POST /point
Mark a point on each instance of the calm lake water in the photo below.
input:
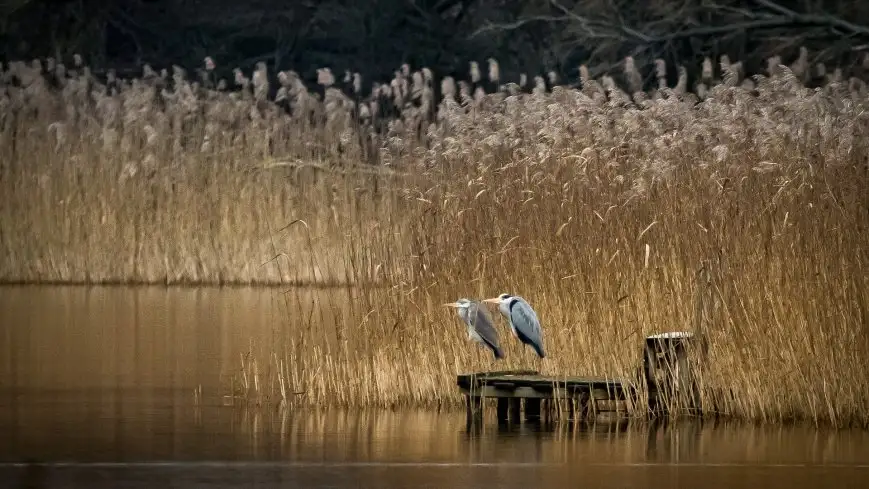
(96, 390)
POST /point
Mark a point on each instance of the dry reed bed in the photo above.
(160, 180)
(596, 205)
(601, 215)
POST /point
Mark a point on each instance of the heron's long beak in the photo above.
(493, 300)
(451, 304)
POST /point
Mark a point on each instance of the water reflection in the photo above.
(172, 439)
(127, 426)
(154, 337)
(96, 386)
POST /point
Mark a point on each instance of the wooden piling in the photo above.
(515, 409)
(503, 410)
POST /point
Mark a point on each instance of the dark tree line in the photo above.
(376, 36)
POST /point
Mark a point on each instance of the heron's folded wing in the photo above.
(525, 320)
(483, 324)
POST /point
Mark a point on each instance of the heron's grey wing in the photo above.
(482, 322)
(524, 319)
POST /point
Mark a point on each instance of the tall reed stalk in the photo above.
(597, 205)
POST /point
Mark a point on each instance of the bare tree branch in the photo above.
(815, 19)
(778, 8)
(589, 23)
(490, 27)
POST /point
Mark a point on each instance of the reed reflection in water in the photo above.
(96, 385)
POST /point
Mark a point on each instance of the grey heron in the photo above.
(523, 320)
(479, 324)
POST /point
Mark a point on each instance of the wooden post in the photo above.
(532, 409)
(583, 406)
(469, 415)
(474, 406)
(515, 409)
(503, 410)
(598, 395)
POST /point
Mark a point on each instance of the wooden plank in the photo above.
(535, 391)
(600, 394)
(519, 392)
(523, 391)
(536, 377)
(611, 386)
(528, 393)
(535, 380)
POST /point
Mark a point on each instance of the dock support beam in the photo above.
(509, 410)
(584, 406)
(532, 409)
(503, 410)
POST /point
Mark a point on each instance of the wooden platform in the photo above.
(542, 395)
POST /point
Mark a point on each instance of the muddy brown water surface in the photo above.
(96, 390)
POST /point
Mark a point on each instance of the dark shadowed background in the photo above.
(375, 37)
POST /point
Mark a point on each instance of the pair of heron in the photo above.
(519, 314)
